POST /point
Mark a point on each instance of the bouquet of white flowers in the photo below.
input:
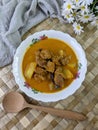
(80, 11)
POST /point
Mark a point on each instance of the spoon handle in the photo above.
(59, 112)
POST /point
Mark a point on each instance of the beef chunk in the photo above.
(37, 54)
(59, 80)
(40, 71)
(39, 77)
(65, 60)
(58, 77)
(61, 58)
(56, 60)
(50, 66)
(45, 54)
(41, 62)
(59, 70)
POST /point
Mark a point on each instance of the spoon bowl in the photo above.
(14, 102)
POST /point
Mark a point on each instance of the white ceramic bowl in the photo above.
(49, 97)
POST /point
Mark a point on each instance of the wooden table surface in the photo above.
(84, 100)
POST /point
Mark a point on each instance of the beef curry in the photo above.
(49, 65)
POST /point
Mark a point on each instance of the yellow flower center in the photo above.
(86, 17)
(67, 16)
(82, 7)
(77, 0)
(78, 27)
(69, 6)
(74, 14)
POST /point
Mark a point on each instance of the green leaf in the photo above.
(35, 91)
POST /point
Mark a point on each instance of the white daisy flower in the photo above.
(76, 15)
(84, 8)
(68, 6)
(88, 2)
(69, 18)
(75, 11)
(77, 28)
(86, 18)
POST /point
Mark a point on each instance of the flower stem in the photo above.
(94, 3)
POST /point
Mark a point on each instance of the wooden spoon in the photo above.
(15, 102)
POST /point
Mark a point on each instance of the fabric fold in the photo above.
(17, 17)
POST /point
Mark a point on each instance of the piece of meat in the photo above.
(59, 80)
(40, 71)
(45, 54)
(50, 66)
(39, 77)
(37, 53)
(61, 58)
(41, 62)
(59, 69)
(65, 60)
(58, 77)
(40, 57)
(50, 77)
(56, 60)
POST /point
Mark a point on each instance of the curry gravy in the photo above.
(53, 45)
